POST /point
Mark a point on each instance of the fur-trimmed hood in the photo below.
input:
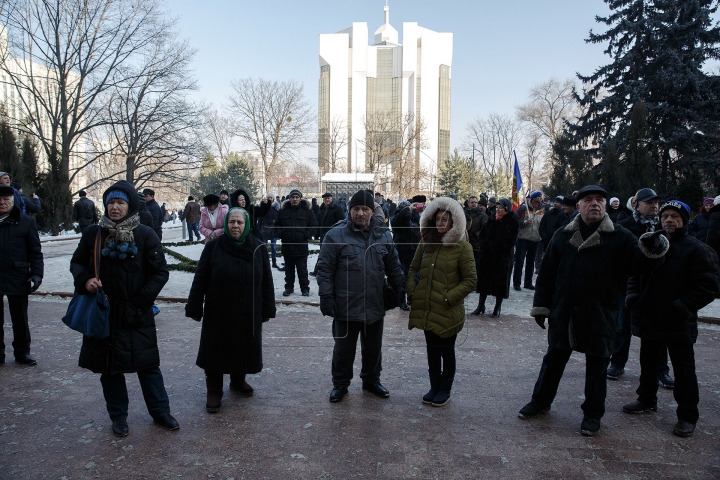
(457, 232)
(303, 204)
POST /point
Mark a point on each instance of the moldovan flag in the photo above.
(517, 185)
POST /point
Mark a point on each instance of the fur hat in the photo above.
(211, 199)
(419, 199)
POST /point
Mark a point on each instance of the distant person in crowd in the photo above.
(183, 223)
(615, 208)
(173, 215)
(699, 225)
(406, 233)
(295, 226)
(18, 200)
(497, 242)
(712, 238)
(144, 214)
(343, 205)
(224, 198)
(664, 308)
(84, 211)
(491, 203)
(132, 283)
(361, 245)
(316, 210)
(267, 225)
(233, 293)
(530, 215)
(551, 221)
(32, 204)
(644, 219)
(21, 273)
(477, 221)
(164, 213)
(441, 275)
(191, 214)
(328, 215)
(391, 209)
(212, 217)
(569, 211)
(155, 211)
(627, 211)
(582, 274)
(240, 198)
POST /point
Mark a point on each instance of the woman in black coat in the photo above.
(497, 240)
(133, 271)
(233, 292)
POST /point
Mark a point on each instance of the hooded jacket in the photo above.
(439, 281)
(295, 226)
(132, 285)
(581, 280)
(254, 211)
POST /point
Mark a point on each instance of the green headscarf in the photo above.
(245, 233)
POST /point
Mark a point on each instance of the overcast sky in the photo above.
(501, 48)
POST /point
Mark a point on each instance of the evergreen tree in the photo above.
(611, 176)
(454, 176)
(572, 168)
(690, 189)
(639, 167)
(9, 158)
(30, 165)
(234, 174)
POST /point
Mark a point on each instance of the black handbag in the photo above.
(89, 314)
(389, 297)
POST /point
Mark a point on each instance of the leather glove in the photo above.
(35, 282)
(327, 306)
(653, 242)
(540, 320)
(197, 319)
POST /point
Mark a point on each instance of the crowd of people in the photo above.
(605, 272)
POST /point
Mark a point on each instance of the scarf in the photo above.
(121, 231)
(212, 215)
(245, 233)
(648, 223)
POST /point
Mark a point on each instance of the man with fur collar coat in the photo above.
(294, 226)
(581, 276)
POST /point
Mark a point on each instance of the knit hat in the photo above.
(559, 198)
(492, 200)
(681, 207)
(535, 194)
(507, 204)
(569, 201)
(224, 191)
(295, 191)
(2, 174)
(117, 194)
(717, 200)
(268, 194)
(709, 201)
(211, 199)
(613, 199)
(419, 199)
(363, 197)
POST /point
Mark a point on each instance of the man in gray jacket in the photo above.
(355, 258)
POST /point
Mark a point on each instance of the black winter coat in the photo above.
(476, 223)
(254, 211)
(233, 291)
(406, 228)
(580, 282)
(328, 216)
(664, 304)
(84, 212)
(157, 216)
(698, 227)
(295, 226)
(497, 241)
(146, 217)
(132, 285)
(713, 234)
(618, 214)
(551, 221)
(20, 253)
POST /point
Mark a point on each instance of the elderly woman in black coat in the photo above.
(497, 240)
(233, 292)
(133, 270)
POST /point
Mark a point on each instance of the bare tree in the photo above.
(217, 134)
(549, 105)
(382, 130)
(333, 143)
(273, 117)
(531, 160)
(408, 172)
(495, 138)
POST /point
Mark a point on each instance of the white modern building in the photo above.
(365, 87)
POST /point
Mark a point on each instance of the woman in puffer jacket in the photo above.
(441, 275)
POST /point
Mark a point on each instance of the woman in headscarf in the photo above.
(212, 217)
(132, 273)
(233, 293)
(441, 275)
(496, 261)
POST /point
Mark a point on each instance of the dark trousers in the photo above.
(345, 335)
(153, 389)
(18, 306)
(623, 337)
(291, 263)
(524, 253)
(686, 392)
(477, 256)
(193, 228)
(441, 354)
(551, 372)
(539, 255)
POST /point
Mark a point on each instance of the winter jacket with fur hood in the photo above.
(581, 280)
(206, 227)
(439, 281)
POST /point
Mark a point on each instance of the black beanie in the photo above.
(363, 197)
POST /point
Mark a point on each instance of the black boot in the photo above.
(214, 383)
(443, 395)
(498, 306)
(481, 306)
(274, 263)
(435, 381)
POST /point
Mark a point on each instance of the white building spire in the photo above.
(386, 33)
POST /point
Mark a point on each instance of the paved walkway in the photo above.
(53, 421)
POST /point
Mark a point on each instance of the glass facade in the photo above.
(384, 106)
(324, 119)
(444, 115)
